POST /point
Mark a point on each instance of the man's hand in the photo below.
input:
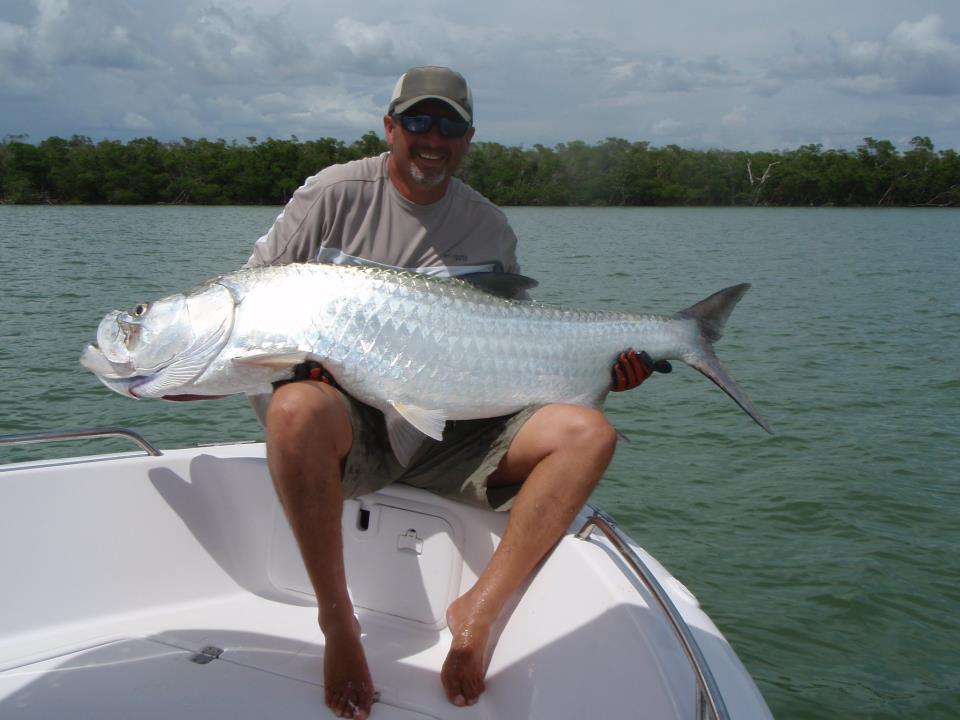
(632, 368)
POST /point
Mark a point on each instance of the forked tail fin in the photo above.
(711, 315)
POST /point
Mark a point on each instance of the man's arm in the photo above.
(295, 233)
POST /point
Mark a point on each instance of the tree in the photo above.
(881, 157)
(25, 174)
(369, 144)
(757, 183)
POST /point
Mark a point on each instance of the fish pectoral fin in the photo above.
(409, 425)
(276, 360)
(177, 375)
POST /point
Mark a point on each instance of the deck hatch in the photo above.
(399, 561)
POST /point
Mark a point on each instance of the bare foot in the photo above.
(464, 669)
(346, 677)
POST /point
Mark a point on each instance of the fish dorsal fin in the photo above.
(409, 425)
(276, 360)
(506, 285)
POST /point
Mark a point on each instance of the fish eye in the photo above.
(141, 309)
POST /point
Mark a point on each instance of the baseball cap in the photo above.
(432, 83)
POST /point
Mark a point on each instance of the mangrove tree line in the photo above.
(612, 172)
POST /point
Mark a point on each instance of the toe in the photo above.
(338, 704)
(473, 691)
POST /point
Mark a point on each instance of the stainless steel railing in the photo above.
(30, 438)
(709, 699)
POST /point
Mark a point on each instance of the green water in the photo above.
(827, 553)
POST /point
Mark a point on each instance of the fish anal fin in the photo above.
(429, 421)
(409, 425)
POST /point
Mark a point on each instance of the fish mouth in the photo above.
(119, 377)
(96, 361)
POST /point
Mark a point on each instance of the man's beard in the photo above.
(423, 180)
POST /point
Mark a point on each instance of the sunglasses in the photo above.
(421, 124)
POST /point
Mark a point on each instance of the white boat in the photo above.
(168, 585)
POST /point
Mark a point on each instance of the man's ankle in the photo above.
(339, 621)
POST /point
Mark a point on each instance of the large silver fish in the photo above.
(423, 350)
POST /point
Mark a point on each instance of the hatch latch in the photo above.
(410, 541)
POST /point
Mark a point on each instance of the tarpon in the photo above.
(422, 349)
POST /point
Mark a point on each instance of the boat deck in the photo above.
(164, 587)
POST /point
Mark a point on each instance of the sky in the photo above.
(736, 75)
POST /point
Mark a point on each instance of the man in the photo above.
(405, 209)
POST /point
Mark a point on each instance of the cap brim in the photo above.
(407, 104)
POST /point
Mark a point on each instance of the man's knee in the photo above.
(309, 411)
(578, 436)
(586, 429)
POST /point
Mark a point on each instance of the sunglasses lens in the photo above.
(417, 124)
(420, 124)
(453, 128)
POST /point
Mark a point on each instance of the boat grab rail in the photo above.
(30, 438)
(709, 699)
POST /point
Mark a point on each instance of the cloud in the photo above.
(102, 34)
(380, 48)
(916, 58)
(736, 118)
(925, 59)
(20, 73)
(669, 126)
(61, 34)
(135, 121)
(303, 112)
(238, 47)
(668, 74)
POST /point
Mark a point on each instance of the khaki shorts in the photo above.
(456, 468)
